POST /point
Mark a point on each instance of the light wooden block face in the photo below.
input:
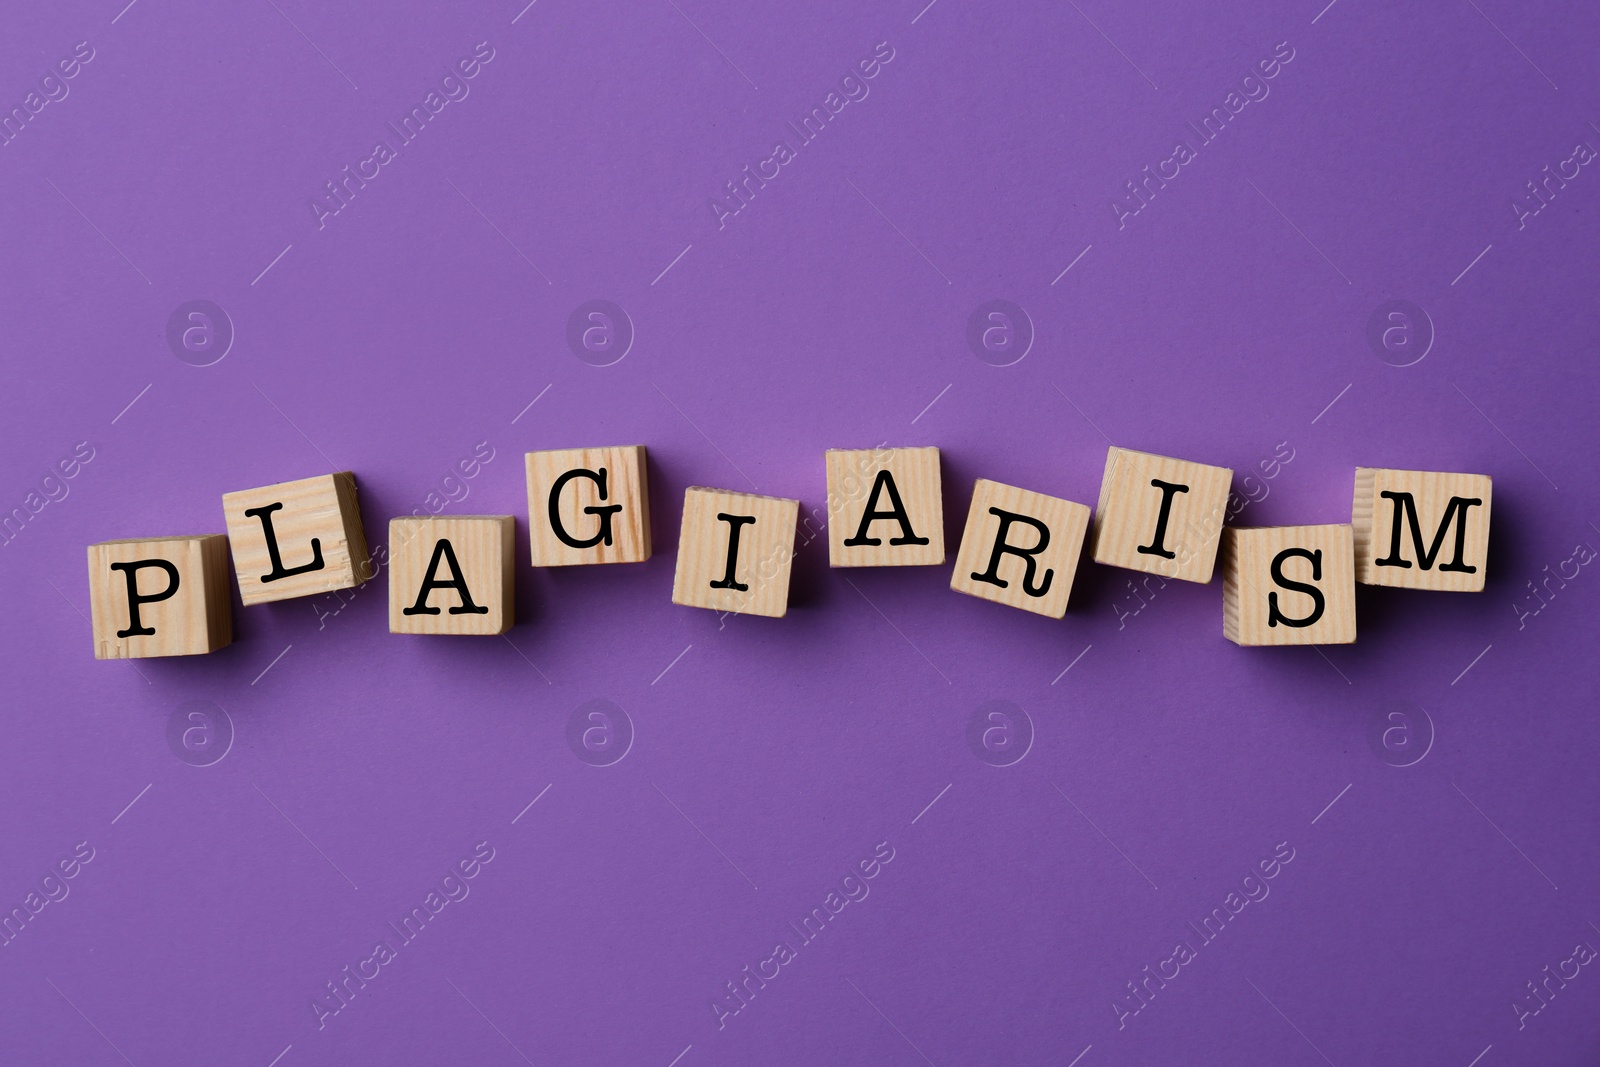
(1020, 548)
(159, 596)
(588, 505)
(1289, 585)
(451, 575)
(1421, 529)
(885, 508)
(297, 538)
(734, 552)
(1160, 515)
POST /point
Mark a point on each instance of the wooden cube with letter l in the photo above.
(735, 551)
(1288, 585)
(885, 507)
(588, 505)
(1020, 548)
(159, 596)
(1421, 529)
(297, 538)
(451, 575)
(1160, 515)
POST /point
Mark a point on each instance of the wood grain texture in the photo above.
(197, 618)
(1248, 585)
(1129, 510)
(1373, 516)
(766, 551)
(483, 548)
(1045, 591)
(627, 487)
(323, 508)
(852, 477)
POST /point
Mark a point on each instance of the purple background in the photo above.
(772, 755)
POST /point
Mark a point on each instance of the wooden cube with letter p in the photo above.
(885, 508)
(1020, 548)
(1289, 585)
(159, 596)
(451, 575)
(1421, 529)
(297, 538)
(1160, 515)
(588, 505)
(735, 551)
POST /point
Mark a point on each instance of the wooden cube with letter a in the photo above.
(451, 575)
(1160, 515)
(159, 596)
(588, 505)
(884, 507)
(297, 538)
(1020, 548)
(734, 552)
(1289, 585)
(1421, 529)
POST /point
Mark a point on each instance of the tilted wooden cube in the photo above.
(735, 551)
(1020, 548)
(1288, 585)
(297, 538)
(885, 508)
(1160, 515)
(159, 596)
(451, 574)
(1421, 529)
(588, 505)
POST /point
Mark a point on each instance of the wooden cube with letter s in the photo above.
(1288, 585)
(451, 575)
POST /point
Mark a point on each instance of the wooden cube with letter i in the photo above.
(1020, 548)
(1289, 585)
(297, 538)
(1421, 529)
(735, 551)
(159, 596)
(451, 575)
(1160, 515)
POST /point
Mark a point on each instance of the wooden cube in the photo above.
(734, 552)
(297, 538)
(588, 505)
(1421, 529)
(451, 574)
(159, 596)
(1160, 515)
(885, 508)
(1020, 548)
(1289, 585)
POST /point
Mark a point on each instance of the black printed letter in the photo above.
(1274, 616)
(278, 571)
(884, 482)
(992, 575)
(1157, 546)
(131, 572)
(605, 513)
(430, 582)
(1456, 511)
(728, 575)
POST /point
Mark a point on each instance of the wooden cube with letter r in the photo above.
(451, 575)
(1421, 529)
(1288, 585)
(1020, 548)
(159, 596)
